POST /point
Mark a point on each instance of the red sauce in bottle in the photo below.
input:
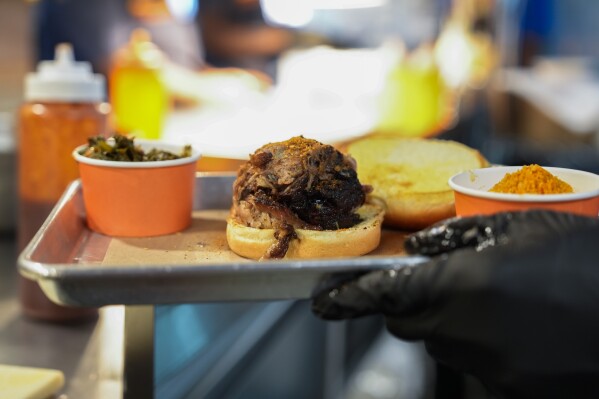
(64, 106)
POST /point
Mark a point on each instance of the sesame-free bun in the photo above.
(357, 240)
(411, 175)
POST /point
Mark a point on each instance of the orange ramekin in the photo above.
(138, 199)
(472, 195)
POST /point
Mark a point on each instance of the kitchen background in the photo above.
(516, 79)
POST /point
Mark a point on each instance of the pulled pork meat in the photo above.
(298, 183)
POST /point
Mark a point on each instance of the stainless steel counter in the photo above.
(73, 349)
(192, 356)
(177, 344)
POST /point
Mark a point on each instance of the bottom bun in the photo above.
(357, 240)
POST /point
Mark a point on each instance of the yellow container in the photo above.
(138, 95)
(415, 101)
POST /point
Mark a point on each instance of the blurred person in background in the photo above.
(98, 28)
(236, 34)
(537, 25)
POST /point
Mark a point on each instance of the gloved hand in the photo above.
(512, 299)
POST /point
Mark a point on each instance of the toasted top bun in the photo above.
(357, 240)
(411, 174)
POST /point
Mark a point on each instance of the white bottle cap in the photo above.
(64, 80)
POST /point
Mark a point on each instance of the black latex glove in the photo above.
(512, 299)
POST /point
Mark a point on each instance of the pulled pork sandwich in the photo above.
(301, 199)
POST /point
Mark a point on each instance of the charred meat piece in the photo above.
(283, 235)
(298, 183)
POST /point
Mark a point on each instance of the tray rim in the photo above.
(72, 272)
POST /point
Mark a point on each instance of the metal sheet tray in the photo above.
(69, 261)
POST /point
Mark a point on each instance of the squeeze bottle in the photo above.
(64, 106)
(137, 93)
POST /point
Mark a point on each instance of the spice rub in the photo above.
(531, 179)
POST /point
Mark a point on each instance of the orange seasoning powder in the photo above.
(531, 179)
